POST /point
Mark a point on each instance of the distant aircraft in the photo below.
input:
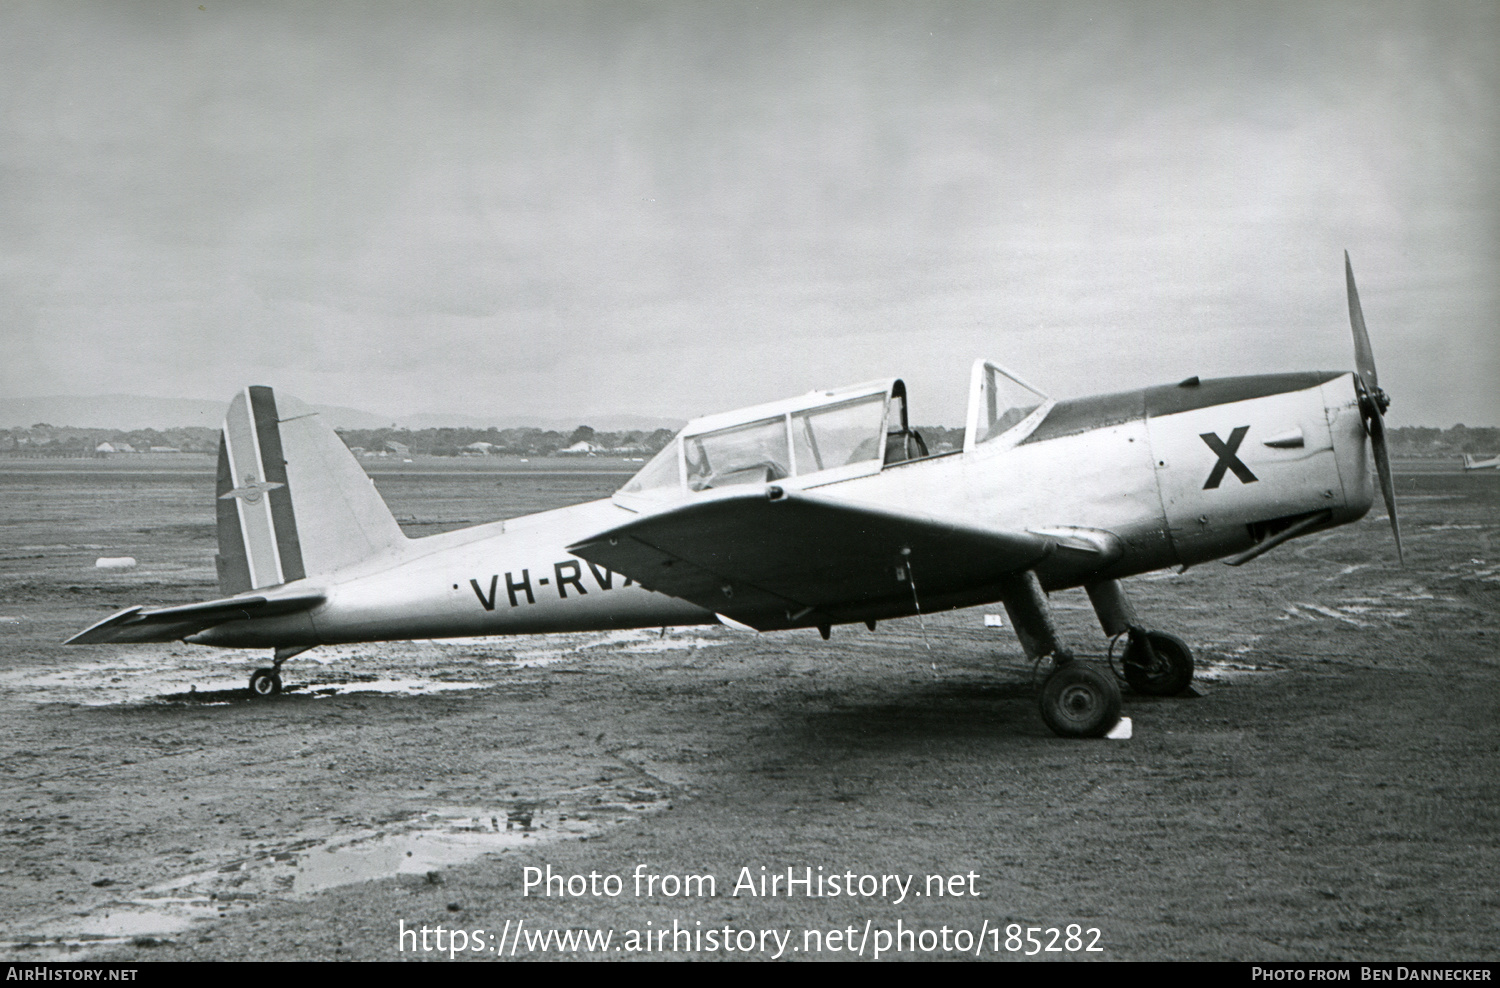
(815, 511)
(1472, 462)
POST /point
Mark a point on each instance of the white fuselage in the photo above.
(1145, 491)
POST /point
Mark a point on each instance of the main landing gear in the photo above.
(1080, 699)
(1155, 663)
(266, 682)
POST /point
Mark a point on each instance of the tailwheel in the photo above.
(265, 683)
(1157, 664)
(1080, 701)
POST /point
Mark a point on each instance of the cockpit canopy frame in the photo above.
(818, 438)
(1003, 409)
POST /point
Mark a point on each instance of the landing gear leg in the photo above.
(1156, 663)
(1078, 699)
(266, 683)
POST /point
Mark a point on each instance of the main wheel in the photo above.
(264, 683)
(1080, 701)
(1170, 672)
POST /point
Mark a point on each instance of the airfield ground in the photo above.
(1334, 793)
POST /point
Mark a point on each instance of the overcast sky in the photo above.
(564, 209)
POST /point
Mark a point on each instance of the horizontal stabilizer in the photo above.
(773, 559)
(169, 624)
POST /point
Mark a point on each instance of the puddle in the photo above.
(1229, 661)
(1376, 611)
(669, 644)
(305, 863)
(408, 687)
(637, 640)
(136, 674)
(1478, 569)
(1302, 609)
(419, 847)
(1415, 593)
(176, 672)
(1223, 670)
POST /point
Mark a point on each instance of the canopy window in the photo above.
(1000, 404)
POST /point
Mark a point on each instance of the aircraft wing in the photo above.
(775, 560)
(170, 624)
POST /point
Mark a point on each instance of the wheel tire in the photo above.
(1173, 672)
(1080, 701)
(265, 683)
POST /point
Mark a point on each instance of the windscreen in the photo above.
(744, 454)
(1006, 402)
(660, 474)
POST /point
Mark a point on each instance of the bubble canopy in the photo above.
(816, 438)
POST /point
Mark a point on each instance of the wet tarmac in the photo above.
(1329, 792)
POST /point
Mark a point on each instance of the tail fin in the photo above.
(1469, 461)
(292, 500)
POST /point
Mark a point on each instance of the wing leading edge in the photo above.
(772, 559)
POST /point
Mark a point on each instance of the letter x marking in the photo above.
(1227, 459)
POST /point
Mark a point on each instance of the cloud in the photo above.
(673, 208)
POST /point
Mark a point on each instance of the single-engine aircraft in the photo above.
(1472, 462)
(818, 510)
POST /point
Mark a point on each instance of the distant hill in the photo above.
(129, 412)
(604, 423)
(110, 412)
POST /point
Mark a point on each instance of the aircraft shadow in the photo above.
(241, 695)
(932, 712)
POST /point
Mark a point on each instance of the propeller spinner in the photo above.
(1372, 402)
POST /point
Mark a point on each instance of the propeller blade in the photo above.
(1364, 356)
(1372, 403)
(1376, 427)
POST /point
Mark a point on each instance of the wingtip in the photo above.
(96, 632)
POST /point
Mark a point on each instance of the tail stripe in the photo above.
(233, 563)
(273, 468)
(249, 494)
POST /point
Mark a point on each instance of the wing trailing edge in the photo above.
(168, 624)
